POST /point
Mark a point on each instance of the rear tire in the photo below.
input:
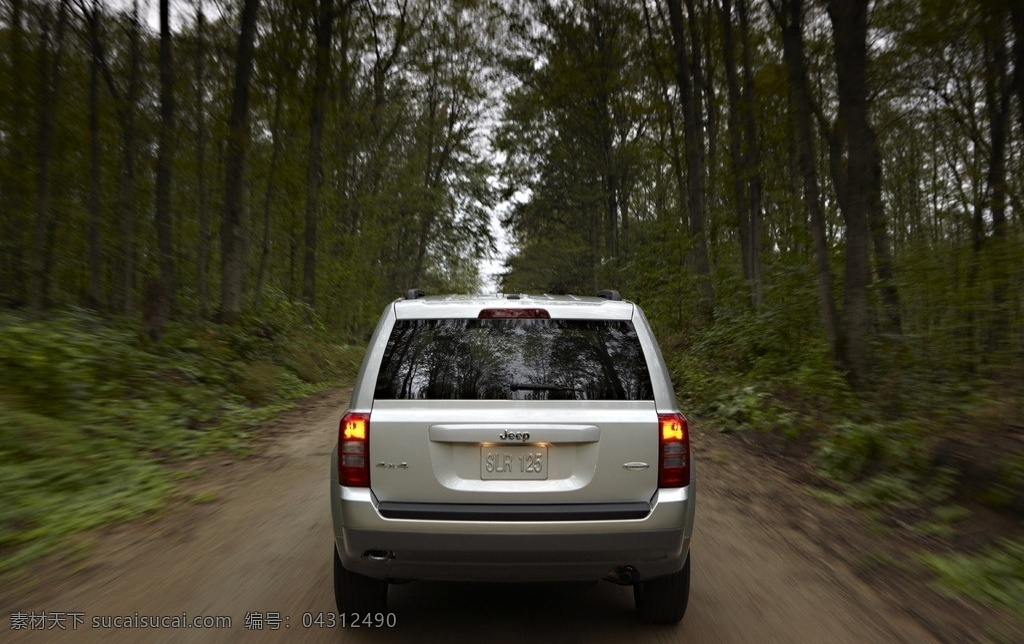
(663, 600)
(355, 593)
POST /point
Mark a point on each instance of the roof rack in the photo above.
(609, 294)
(414, 294)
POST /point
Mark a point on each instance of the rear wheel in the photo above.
(663, 600)
(355, 593)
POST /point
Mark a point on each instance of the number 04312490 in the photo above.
(349, 620)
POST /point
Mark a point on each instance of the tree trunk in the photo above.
(428, 211)
(670, 114)
(49, 79)
(166, 294)
(849, 23)
(203, 213)
(126, 102)
(129, 187)
(50, 55)
(343, 144)
(314, 169)
(998, 90)
(609, 172)
(790, 16)
(736, 158)
(15, 212)
(232, 227)
(610, 181)
(882, 245)
(268, 200)
(752, 161)
(93, 296)
(697, 159)
(711, 112)
(694, 144)
(1017, 21)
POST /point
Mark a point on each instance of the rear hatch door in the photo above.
(513, 411)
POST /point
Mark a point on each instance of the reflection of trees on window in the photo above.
(624, 349)
(399, 355)
(514, 359)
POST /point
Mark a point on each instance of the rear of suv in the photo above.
(513, 438)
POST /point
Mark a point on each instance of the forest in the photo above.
(856, 164)
(818, 203)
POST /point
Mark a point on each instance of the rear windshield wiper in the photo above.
(519, 386)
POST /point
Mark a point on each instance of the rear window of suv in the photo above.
(513, 359)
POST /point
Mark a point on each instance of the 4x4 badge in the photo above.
(514, 436)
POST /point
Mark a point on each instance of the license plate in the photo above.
(514, 462)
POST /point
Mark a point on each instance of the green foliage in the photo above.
(1005, 490)
(57, 478)
(92, 414)
(573, 137)
(759, 369)
(259, 382)
(854, 451)
(943, 521)
(57, 368)
(995, 576)
(888, 489)
(205, 497)
(887, 464)
(1012, 472)
(743, 407)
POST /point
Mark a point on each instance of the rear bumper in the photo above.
(514, 551)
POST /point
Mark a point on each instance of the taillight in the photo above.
(353, 450)
(674, 451)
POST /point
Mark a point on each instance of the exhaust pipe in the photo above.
(379, 556)
(623, 575)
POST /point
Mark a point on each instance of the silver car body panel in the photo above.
(400, 549)
(586, 442)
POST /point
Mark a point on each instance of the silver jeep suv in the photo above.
(513, 438)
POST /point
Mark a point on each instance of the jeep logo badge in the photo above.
(514, 436)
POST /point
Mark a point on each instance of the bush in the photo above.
(56, 367)
(92, 412)
(995, 576)
(855, 451)
(258, 382)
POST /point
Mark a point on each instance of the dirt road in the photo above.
(261, 547)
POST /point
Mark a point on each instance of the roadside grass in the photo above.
(994, 576)
(94, 416)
